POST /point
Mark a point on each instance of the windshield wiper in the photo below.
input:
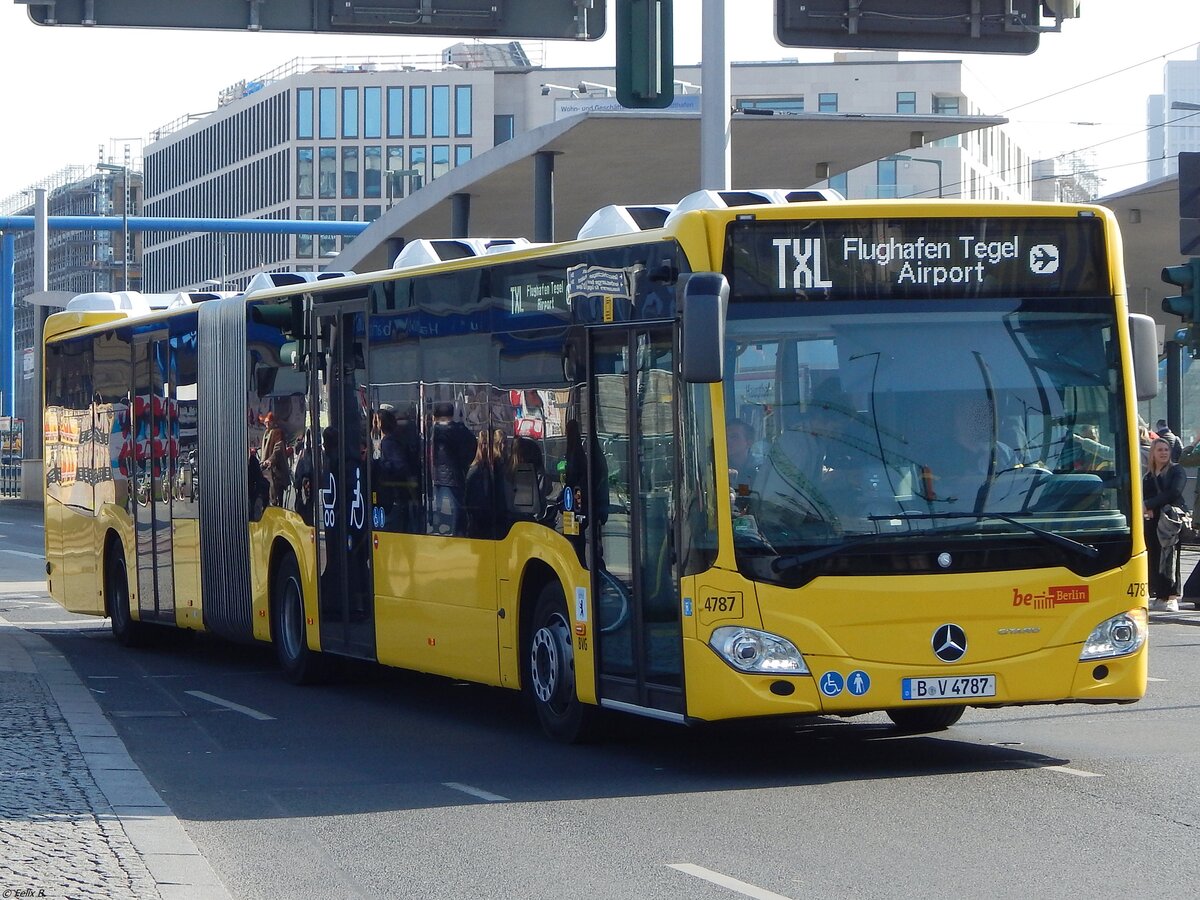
(1087, 550)
(787, 563)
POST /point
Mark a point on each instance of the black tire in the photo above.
(925, 719)
(550, 671)
(116, 599)
(289, 632)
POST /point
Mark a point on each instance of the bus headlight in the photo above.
(1118, 636)
(750, 650)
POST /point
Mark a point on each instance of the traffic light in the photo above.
(645, 54)
(1187, 279)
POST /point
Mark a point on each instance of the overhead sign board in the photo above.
(553, 19)
(958, 26)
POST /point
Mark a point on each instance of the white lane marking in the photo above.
(229, 704)
(738, 887)
(1152, 678)
(24, 554)
(475, 792)
(1067, 770)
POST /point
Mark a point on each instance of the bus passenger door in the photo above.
(638, 629)
(151, 494)
(341, 429)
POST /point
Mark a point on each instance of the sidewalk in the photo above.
(77, 817)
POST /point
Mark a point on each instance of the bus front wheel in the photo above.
(925, 718)
(289, 632)
(550, 671)
(116, 591)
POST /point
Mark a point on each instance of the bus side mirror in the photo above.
(1143, 339)
(705, 302)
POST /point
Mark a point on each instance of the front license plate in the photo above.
(948, 688)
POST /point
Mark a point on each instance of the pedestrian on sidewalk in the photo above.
(1163, 510)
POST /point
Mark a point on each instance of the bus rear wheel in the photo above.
(289, 631)
(550, 671)
(116, 592)
(926, 718)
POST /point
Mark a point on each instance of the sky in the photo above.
(65, 92)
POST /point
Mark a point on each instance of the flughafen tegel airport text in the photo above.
(961, 260)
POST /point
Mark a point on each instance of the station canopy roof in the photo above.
(603, 158)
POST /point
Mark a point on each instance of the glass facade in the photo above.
(462, 110)
(372, 112)
(328, 114)
(304, 113)
(417, 112)
(349, 112)
(441, 110)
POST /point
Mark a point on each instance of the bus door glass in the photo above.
(639, 637)
(342, 426)
(151, 428)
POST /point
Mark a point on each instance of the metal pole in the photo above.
(8, 356)
(460, 215)
(32, 485)
(125, 227)
(716, 165)
(543, 197)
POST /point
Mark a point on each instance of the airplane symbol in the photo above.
(1043, 259)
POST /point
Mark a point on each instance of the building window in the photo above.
(395, 164)
(328, 242)
(945, 105)
(304, 113)
(416, 160)
(304, 242)
(885, 178)
(327, 172)
(839, 184)
(371, 212)
(349, 213)
(416, 112)
(462, 154)
(304, 172)
(395, 112)
(372, 171)
(441, 110)
(906, 102)
(462, 110)
(372, 112)
(827, 103)
(503, 129)
(349, 112)
(349, 171)
(328, 113)
(779, 104)
(440, 159)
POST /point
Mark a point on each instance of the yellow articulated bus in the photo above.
(787, 458)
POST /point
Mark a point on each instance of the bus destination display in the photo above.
(916, 258)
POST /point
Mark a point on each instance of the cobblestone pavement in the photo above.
(78, 819)
(60, 837)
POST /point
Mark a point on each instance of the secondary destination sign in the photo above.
(836, 259)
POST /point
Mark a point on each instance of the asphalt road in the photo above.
(391, 784)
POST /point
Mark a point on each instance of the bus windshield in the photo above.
(971, 421)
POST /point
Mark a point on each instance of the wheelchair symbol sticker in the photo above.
(831, 684)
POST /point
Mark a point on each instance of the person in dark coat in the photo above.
(1162, 498)
(453, 447)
